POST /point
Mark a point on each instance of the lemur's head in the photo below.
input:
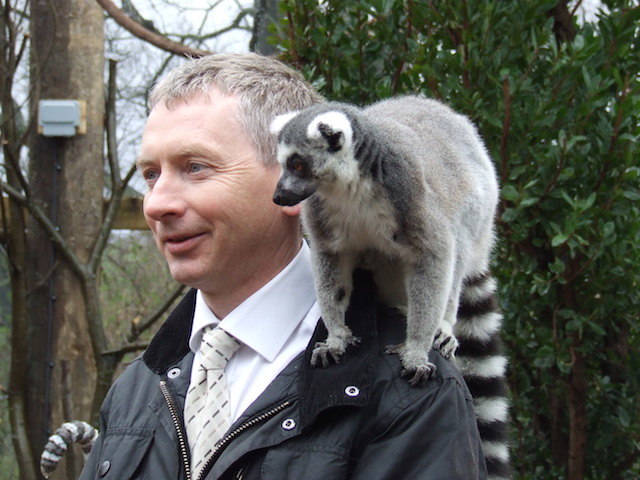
(314, 147)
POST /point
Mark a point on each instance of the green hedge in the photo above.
(559, 113)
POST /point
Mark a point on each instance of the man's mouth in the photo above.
(177, 244)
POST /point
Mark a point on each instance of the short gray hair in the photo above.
(263, 86)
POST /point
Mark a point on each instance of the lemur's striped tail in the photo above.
(70, 432)
(483, 366)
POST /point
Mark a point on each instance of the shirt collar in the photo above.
(265, 320)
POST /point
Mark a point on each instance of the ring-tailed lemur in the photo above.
(404, 187)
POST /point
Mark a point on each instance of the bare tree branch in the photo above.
(132, 345)
(110, 127)
(151, 319)
(53, 231)
(128, 348)
(143, 33)
(118, 185)
(108, 221)
(232, 26)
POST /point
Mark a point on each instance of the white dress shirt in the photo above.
(273, 326)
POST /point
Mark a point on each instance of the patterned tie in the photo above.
(207, 412)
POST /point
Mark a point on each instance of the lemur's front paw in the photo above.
(332, 348)
(416, 366)
(445, 342)
(418, 374)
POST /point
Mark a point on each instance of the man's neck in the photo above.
(224, 300)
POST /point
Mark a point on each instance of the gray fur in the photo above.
(404, 187)
(69, 432)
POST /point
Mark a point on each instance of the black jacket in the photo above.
(357, 420)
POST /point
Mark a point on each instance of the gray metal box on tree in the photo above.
(61, 118)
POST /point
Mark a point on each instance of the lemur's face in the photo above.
(297, 180)
(310, 153)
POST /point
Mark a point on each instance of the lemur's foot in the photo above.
(332, 348)
(445, 342)
(416, 366)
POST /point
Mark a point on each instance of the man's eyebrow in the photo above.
(188, 151)
(142, 162)
(193, 150)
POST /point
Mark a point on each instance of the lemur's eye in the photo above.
(298, 164)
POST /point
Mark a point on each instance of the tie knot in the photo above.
(217, 347)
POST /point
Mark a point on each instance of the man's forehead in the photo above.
(206, 95)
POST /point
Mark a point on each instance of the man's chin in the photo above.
(191, 277)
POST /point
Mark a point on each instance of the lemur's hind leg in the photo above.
(334, 284)
(428, 284)
(445, 341)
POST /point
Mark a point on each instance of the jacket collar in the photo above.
(347, 383)
(171, 343)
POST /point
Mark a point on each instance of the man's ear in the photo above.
(293, 211)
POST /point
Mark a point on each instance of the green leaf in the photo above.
(567, 198)
(559, 239)
(510, 193)
(509, 215)
(623, 417)
(557, 266)
(545, 357)
(588, 203)
(528, 202)
(631, 195)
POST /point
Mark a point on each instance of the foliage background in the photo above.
(559, 112)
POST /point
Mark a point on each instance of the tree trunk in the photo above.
(577, 388)
(577, 413)
(17, 255)
(266, 13)
(66, 179)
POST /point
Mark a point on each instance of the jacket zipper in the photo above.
(173, 410)
(222, 444)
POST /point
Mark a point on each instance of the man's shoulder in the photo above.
(135, 376)
(388, 369)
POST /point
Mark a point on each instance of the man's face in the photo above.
(209, 199)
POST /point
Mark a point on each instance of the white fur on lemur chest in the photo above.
(359, 216)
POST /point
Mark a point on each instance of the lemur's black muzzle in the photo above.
(290, 191)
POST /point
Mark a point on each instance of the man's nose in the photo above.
(165, 199)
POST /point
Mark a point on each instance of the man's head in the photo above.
(207, 157)
(263, 87)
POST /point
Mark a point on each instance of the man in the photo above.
(209, 162)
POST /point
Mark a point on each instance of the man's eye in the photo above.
(195, 167)
(150, 175)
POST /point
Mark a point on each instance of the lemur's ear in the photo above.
(334, 128)
(278, 123)
(334, 138)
